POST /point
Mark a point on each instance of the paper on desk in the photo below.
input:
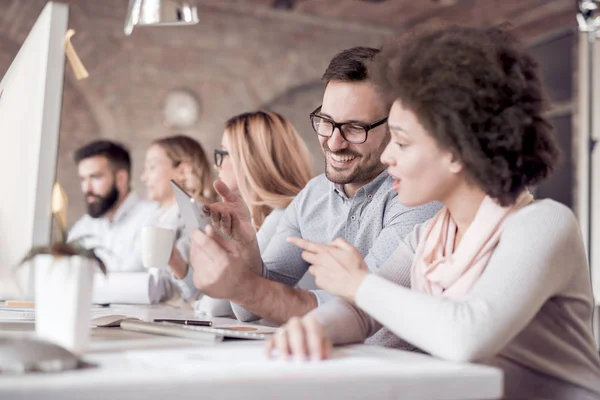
(130, 288)
(116, 287)
(27, 314)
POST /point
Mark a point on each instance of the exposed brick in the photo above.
(240, 57)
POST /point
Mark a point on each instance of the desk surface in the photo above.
(130, 365)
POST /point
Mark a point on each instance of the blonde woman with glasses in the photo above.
(263, 160)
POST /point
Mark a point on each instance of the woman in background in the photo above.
(183, 160)
(495, 277)
(265, 161)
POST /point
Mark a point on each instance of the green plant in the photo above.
(60, 247)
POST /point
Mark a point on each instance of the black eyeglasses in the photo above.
(352, 132)
(219, 155)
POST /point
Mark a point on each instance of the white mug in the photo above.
(157, 244)
(213, 307)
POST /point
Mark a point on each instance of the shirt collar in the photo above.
(172, 212)
(368, 189)
(130, 201)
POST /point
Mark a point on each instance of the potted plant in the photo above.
(63, 282)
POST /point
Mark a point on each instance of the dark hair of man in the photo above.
(116, 153)
(350, 65)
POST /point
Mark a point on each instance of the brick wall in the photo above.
(235, 60)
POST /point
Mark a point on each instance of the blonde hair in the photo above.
(198, 179)
(270, 160)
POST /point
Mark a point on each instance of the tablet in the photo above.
(235, 331)
(189, 209)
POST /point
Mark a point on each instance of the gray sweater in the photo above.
(530, 312)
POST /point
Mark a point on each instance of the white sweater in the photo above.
(530, 313)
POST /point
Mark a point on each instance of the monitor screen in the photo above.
(30, 107)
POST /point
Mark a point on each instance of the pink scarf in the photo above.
(441, 270)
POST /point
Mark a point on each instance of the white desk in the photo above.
(359, 372)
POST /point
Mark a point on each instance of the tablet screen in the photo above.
(189, 209)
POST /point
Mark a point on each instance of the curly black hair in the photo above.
(479, 95)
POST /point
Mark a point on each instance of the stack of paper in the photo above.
(17, 314)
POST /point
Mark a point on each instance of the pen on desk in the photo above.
(189, 322)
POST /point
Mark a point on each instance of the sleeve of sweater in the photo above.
(344, 322)
(529, 265)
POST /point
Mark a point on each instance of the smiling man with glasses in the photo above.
(349, 164)
(352, 132)
(353, 200)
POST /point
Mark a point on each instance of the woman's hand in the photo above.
(301, 339)
(338, 267)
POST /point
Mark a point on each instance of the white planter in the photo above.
(63, 300)
(25, 279)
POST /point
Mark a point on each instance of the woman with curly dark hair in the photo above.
(495, 277)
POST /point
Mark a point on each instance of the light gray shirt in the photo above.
(268, 228)
(374, 221)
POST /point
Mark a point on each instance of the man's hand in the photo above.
(219, 270)
(233, 218)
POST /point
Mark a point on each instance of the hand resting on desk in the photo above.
(302, 339)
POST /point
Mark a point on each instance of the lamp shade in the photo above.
(159, 13)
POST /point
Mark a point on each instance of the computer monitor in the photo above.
(30, 109)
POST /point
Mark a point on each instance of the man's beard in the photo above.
(99, 207)
(360, 173)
